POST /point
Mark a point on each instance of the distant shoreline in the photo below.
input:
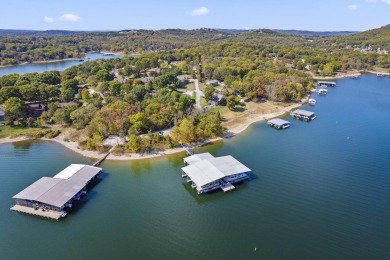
(138, 156)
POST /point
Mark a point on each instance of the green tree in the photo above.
(208, 93)
(135, 143)
(14, 110)
(231, 102)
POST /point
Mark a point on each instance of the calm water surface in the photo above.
(59, 65)
(321, 190)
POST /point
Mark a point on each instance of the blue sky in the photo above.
(319, 15)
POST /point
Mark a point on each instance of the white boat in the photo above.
(322, 91)
(312, 101)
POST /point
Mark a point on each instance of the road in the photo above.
(199, 93)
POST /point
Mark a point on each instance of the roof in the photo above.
(327, 82)
(51, 191)
(212, 169)
(78, 172)
(198, 157)
(146, 79)
(303, 112)
(212, 82)
(278, 121)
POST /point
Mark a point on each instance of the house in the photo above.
(213, 82)
(36, 109)
(183, 79)
(146, 79)
(1, 113)
(154, 72)
(80, 87)
(219, 100)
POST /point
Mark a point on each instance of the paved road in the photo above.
(199, 93)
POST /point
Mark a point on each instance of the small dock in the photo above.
(278, 123)
(51, 214)
(303, 114)
(186, 149)
(383, 74)
(327, 83)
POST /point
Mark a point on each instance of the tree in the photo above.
(135, 143)
(139, 122)
(208, 93)
(8, 92)
(14, 110)
(184, 132)
(104, 75)
(231, 102)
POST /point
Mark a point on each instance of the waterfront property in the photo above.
(50, 196)
(327, 83)
(278, 123)
(303, 114)
(206, 172)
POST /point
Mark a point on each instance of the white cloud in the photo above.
(352, 7)
(69, 18)
(371, 1)
(386, 1)
(200, 11)
(48, 19)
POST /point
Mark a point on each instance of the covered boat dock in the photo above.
(278, 123)
(50, 196)
(207, 173)
(303, 114)
(327, 83)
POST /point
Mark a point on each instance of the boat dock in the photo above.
(207, 173)
(278, 123)
(49, 197)
(303, 114)
(327, 83)
(383, 74)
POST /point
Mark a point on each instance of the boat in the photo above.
(322, 91)
(312, 101)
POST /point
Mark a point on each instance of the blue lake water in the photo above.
(48, 66)
(321, 190)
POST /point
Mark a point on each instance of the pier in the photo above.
(303, 114)
(383, 74)
(327, 83)
(207, 173)
(278, 123)
(98, 162)
(49, 197)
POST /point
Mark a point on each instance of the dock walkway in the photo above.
(98, 162)
(39, 212)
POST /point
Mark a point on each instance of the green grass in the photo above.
(203, 102)
(218, 108)
(8, 131)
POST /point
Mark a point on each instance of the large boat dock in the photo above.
(303, 114)
(206, 172)
(50, 196)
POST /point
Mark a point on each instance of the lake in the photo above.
(48, 66)
(320, 190)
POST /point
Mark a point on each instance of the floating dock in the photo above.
(327, 83)
(50, 196)
(383, 74)
(278, 123)
(303, 114)
(206, 172)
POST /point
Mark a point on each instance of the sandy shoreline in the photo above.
(136, 156)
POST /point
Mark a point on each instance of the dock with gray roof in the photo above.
(303, 114)
(278, 123)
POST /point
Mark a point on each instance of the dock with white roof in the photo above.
(49, 197)
(206, 172)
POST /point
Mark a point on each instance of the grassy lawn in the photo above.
(203, 102)
(6, 131)
(187, 87)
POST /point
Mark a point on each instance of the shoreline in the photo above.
(136, 156)
(40, 61)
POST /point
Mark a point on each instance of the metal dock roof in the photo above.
(278, 122)
(210, 170)
(79, 173)
(51, 191)
(303, 112)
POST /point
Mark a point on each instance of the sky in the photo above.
(98, 15)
